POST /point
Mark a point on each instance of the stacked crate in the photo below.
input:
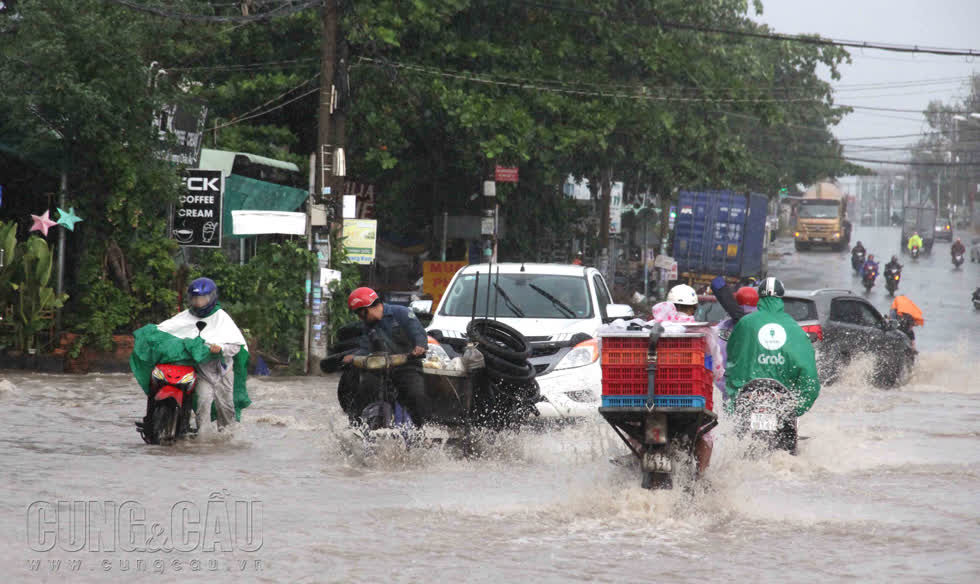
(683, 371)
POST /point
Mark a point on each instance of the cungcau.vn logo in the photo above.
(221, 524)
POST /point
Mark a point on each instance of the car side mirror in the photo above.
(421, 306)
(614, 311)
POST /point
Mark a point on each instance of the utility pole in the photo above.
(328, 57)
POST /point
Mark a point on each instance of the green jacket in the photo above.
(769, 343)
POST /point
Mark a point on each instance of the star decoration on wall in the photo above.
(68, 219)
(42, 223)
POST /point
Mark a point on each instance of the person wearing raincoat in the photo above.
(769, 344)
(907, 314)
(206, 337)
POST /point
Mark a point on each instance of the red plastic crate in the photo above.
(639, 343)
(680, 357)
(681, 343)
(624, 373)
(624, 387)
(704, 389)
(623, 356)
(682, 373)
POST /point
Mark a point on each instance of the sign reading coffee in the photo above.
(196, 218)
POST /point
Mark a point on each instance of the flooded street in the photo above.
(884, 489)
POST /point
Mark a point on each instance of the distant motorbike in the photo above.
(766, 412)
(169, 404)
(868, 277)
(957, 261)
(857, 260)
(892, 277)
(914, 252)
(976, 299)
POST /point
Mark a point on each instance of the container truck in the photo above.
(822, 218)
(921, 218)
(721, 233)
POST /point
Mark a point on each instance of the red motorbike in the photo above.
(169, 405)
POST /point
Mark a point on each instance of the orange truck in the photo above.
(822, 218)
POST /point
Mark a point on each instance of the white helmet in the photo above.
(683, 294)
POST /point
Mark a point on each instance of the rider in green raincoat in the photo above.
(770, 344)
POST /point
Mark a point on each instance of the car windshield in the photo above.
(800, 308)
(818, 211)
(520, 296)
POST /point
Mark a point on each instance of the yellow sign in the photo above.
(732, 250)
(436, 277)
(361, 239)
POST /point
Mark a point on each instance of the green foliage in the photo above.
(266, 297)
(35, 299)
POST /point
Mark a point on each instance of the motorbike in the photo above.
(868, 278)
(957, 261)
(766, 412)
(914, 252)
(857, 260)
(169, 404)
(659, 433)
(892, 278)
(976, 299)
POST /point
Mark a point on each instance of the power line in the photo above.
(284, 9)
(246, 116)
(812, 40)
(246, 66)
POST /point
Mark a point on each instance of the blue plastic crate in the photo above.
(660, 401)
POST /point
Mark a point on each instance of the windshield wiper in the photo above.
(561, 305)
(510, 303)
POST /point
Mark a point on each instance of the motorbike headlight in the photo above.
(158, 374)
(435, 351)
(582, 354)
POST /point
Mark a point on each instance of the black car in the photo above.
(802, 308)
(852, 327)
(944, 229)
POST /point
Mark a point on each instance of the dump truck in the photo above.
(721, 233)
(822, 218)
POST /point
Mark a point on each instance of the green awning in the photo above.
(243, 193)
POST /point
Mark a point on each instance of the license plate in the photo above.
(656, 462)
(656, 429)
(763, 422)
(817, 239)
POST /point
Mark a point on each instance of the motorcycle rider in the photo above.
(770, 344)
(217, 349)
(398, 330)
(870, 267)
(858, 248)
(747, 298)
(915, 241)
(957, 248)
(893, 265)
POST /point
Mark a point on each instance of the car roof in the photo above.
(527, 268)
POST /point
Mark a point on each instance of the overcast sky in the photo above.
(888, 79)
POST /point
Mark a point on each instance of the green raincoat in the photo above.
(769, 343)
(153, 346)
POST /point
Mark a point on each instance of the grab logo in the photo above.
(771, 359)
(772, 336)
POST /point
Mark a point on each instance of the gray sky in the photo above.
(888, 79)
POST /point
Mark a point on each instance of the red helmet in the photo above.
(747, 296)
(361, 298)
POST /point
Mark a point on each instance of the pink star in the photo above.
(42, 223)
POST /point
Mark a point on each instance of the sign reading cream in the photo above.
(772, 336)
(361, 240)
(196, 218)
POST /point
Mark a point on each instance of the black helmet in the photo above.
(771, 287)
(202, 296)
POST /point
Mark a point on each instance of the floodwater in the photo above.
(884, 490)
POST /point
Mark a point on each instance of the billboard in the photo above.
(361, 240)
(196, 218)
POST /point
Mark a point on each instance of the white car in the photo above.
(558, 307)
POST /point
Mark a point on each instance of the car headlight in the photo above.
(582, 354)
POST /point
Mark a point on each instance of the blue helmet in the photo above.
(202, 296)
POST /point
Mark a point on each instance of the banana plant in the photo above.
(8, 267)
(35, 299)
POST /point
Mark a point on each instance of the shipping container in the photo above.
(721, 233)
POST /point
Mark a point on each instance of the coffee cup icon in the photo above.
(184, 235)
